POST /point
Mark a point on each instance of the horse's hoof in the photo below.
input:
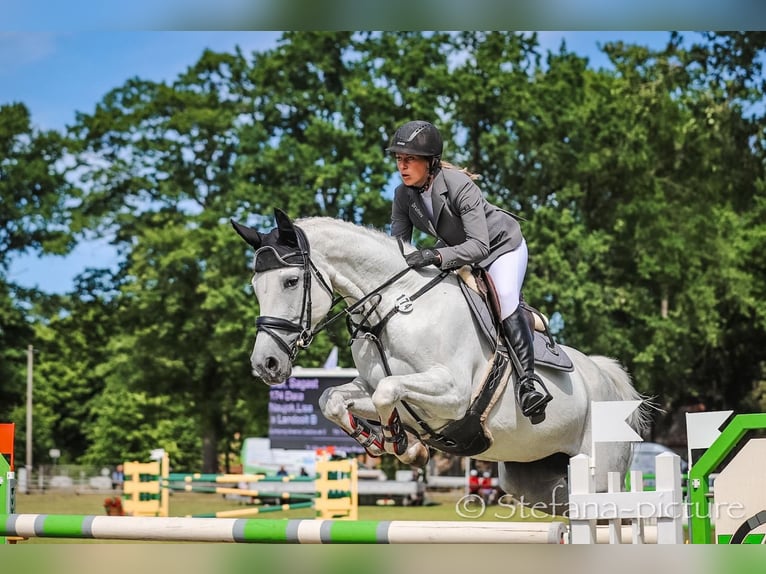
(367, 435)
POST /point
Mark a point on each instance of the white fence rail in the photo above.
(77, 478)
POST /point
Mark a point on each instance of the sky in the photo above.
(56, 74)
(375, 15)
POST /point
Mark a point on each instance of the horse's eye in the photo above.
(291, 282)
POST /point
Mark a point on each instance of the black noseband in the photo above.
(270, 324)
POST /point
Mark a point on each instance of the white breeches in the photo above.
(507, 274)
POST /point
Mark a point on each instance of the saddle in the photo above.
(481, 297)
(469, 436)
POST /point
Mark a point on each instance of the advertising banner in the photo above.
(295, 420)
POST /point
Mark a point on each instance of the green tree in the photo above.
(71, 334)
(33, 188)
(33, 219)
(161, 185)
(15, 335)
(640, 187)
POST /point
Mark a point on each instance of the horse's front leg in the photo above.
(350, 406)
(432, 392)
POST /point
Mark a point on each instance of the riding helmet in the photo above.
(417, 138)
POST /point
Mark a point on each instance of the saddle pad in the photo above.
(480, 311)
(554, 357)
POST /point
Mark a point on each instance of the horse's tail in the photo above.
(621, 388)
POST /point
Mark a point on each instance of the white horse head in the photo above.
(298, 297)
(420, 356)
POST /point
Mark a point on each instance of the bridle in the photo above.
(302, 328)
(305, 335)
(361, 329)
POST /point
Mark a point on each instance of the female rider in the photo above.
(444, 202)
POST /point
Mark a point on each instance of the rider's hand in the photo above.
(418, 259)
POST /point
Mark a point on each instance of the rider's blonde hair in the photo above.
(448, 165)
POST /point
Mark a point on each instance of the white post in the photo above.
(670, 528)
(592, 461)
(30, 363)
(581, 530)
(615, 524)
(637, 485)
(22, 483)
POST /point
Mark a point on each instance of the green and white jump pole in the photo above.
(309, 531)
(176, 477)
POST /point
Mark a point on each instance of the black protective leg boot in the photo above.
(520, 337)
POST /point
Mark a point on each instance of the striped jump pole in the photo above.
(240, 491)
(230, 478)
(179, 529)
(253, 510)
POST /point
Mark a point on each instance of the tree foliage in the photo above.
(34, 219)
(640, 186)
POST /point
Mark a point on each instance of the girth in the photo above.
(469, 435)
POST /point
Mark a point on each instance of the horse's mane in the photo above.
(386, 242)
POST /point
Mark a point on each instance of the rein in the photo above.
(351, 308)
(369, 332)
(306, 335)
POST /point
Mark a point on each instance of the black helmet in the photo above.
(417, 138)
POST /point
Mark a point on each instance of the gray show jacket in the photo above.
(470, 230)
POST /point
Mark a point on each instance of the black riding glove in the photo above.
(421, 258)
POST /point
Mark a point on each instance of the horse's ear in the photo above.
(287, 233)
(250, 235)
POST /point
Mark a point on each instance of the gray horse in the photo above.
(421, 360)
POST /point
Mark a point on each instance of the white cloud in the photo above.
(19, 49)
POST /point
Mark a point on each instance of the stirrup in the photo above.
(538, 407)
(536, 410)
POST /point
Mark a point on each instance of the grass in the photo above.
(440, 506)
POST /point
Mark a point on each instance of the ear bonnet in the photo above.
(285, 245)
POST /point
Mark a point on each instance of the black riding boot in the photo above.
(519, 335)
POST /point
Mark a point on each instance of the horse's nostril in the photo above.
(271, 364)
